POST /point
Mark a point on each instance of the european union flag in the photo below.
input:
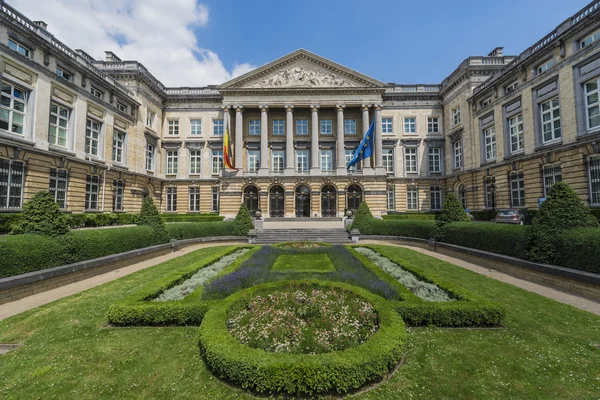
(365, 148)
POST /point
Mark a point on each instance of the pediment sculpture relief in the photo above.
(302, 77)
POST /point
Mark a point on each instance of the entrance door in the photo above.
(328, 201)
(276, 201)
(302, 201)
(354, 197)
(251, 199)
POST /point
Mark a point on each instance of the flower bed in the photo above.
(303, 320)
(301, 245)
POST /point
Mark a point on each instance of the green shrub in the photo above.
(484, 215)
(192, 217)
(41, 215)
(416, 216)
(579, 249)
(27, 252)
(302, 374)
(149, 216)
(407, 228)
(189, 230)
(506, 239)
(362, 219)
(101, 219)
(7, 220)
(562, 210)
(243, 222)
(596, 213)
(453, 211)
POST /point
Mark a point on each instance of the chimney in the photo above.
(110, 56)
(497, 52)
(41, 24)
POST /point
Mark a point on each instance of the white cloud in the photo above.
(157, 33)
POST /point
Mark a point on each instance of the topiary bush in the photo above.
(561, 211)
(149, 216)
(363, 219)
(41, 215)
(243, 222)
(453, 211)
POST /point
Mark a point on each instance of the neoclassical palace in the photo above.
(102, 135)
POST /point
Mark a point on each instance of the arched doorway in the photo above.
(276, 201)
(354, 196)
(302, 196)
(462, 195)
(251, 198)
(328, 201)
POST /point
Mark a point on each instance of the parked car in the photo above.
(512, 216)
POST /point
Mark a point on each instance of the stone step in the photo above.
(272, 236)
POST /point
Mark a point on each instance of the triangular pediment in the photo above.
(302, 70)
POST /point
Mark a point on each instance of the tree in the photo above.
(243, 221)
(363, 218)
(561, 211)
(149, 216)
(42, 215)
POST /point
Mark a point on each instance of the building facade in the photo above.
(102, 135)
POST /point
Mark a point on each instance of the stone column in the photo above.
(239, 139)
(341, 150)
(378, 142)
(314, 142)
(289, 140)
(264, 141)
(368, 163)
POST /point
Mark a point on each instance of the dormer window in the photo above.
(586, 41)
(545, 66)
(64, 74)
(121, 107)
(18, 47)
(485, 103)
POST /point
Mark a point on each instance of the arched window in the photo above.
(251, 197)
(328, 201)
(302, 197)
(276, 201)
(354, 196)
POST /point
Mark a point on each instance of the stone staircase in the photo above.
(272, 236)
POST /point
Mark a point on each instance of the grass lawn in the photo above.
(545, 352)
(303, 263)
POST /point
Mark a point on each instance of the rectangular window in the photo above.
(387, 125)
(517, 189)
(410, 125)
(218, 127)
(92, 137)
(59, 125)
(433, 125)
(196, 127)
(592, 103)
(350, 127)
(349, 153)
(594, 176)
(456, 115)
(410, 160)
(277, 160)
(435, 197)
(150, 157)
(66, 75)
(489, 140)
(119, 190)
(97, 92)
(217, 161)
(326, 127)
(388, 160)
(490, 191)
(326, 160)
(301, 160)
(18, 47)
(278, 127)
(173, 127)
(435, 160)
(511, 87)
(92, 185)
(195, 162)
(515, 130)
(412, 198)
(253, 160)
(586, 41)
(194, 204)
(122, 107)
(172, 161)
(457, 152)
(150, 118)
(391, 198)
(302, 127)
(12, 108)
(12, 176)
(171, 199)
(254, 127)
(545, 66)
(215, 199)
(552, 174)
(58, 186)
(118, 146)
(485, 103)
(550, 114)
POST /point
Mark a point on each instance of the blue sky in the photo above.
(393, 41)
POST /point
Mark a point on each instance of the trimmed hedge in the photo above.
(302, 374)
(484, 215)
(580, 249)
(7, 220)
(101, 219)
(192, 217)
(510, 240)
(408, 228)
(188, 230)
(415, 216)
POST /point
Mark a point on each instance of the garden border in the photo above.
(302, 374)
